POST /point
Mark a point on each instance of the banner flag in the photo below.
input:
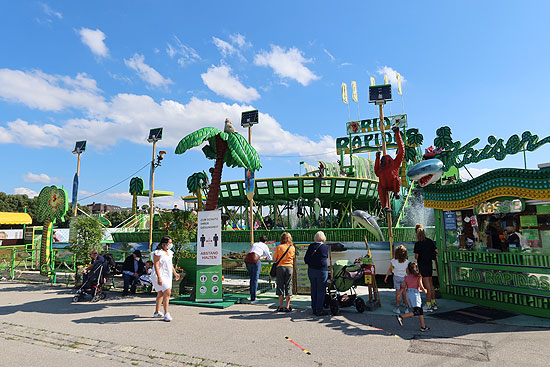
(354, 91)
(372, 82)
(385, 79)
(344, 93)
(398, 76)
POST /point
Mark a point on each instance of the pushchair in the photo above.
(344, 279)
(93, 286)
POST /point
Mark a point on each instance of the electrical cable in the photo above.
(118, 183)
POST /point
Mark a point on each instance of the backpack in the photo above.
(109, 264)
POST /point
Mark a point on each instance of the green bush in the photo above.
(89, 233)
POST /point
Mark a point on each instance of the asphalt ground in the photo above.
(40, 325)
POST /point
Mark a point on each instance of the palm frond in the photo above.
(241, 154)
(196, 138)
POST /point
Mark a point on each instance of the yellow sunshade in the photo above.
(15, 218)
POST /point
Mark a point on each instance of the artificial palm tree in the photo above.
(196, 183)
(52, 206)
(136, 188)
(227, 147)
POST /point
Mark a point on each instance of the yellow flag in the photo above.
(385, 79)
(398, 76)
(354, 91)
(344, 93)
(372, 82)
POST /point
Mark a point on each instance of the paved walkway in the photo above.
(40, 325)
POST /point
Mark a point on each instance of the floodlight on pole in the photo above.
(154, 136)
(79, 148)
(248, 119)
(379, 95)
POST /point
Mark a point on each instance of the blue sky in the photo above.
(107, 72)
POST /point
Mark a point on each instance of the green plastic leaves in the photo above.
(136, 186)
(239, 154)
(196, 138)
(52, 204)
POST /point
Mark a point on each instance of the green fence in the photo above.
(400, 234)
(298, 235)
(518, 282)
(18, 262)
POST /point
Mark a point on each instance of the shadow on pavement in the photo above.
(115, 319)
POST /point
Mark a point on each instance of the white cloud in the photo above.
(39, 177)
(23, 133)
(50, 12)
(126, 196)
(465, 176)
(220, 81)
(147, 73)
(239, 40)
(329, 54)
(25, 191)
(50, 92)
(225, 48)
(129, 117)
(185, 55)
(287, 64)
(392, 75)
(94, 40)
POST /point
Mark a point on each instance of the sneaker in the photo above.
(434, 307)
(424, 328)
(396, 310)
(279, 309)
(399, 320)
(426, 308)
(168, 317)
(289, 309)
(255, 302)
(158, 315)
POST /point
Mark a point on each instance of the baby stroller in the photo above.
(93, 286)
(345, 278)
(144, 281)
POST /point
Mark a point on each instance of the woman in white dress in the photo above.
(161, 276)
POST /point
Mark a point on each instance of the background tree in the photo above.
(136, 188)
(52, 206)
(117, 217)
(227, 147)
(89, 233)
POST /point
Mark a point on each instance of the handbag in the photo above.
(273, 271)
(252, 258)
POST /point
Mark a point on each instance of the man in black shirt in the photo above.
(131, 270)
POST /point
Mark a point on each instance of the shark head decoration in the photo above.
(426, 172)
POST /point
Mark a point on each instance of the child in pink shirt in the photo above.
(413, 285)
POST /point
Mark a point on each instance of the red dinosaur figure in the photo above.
(387, 170)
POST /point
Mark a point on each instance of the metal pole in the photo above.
(75, 209)
(382, 129)
(151, 194)
(251, 214)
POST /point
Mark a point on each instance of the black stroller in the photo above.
(346, 278)
(97, 276)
